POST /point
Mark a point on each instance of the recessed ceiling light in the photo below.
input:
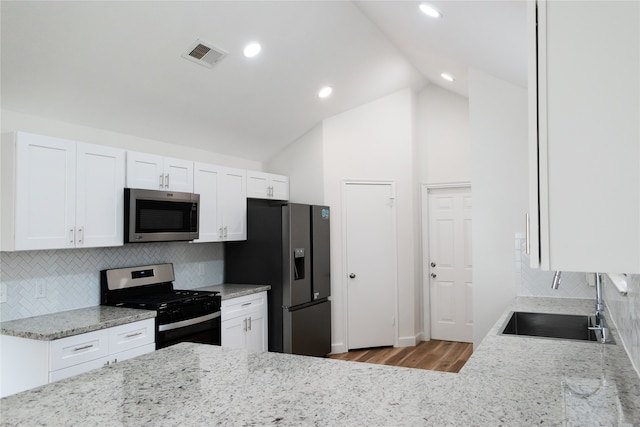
(325, 91)
(448, 77)
(429, 11)
(252, 49)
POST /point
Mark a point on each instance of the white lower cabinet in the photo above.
(244, 322)
(28, 363)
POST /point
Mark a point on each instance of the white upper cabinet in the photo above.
(153, 172)
(261, 185)
(223, 202)
(585, 139)
(58, 193)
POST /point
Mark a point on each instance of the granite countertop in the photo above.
(232, 290)
(73, 322)
(509, 380)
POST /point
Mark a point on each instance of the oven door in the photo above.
(204, 329)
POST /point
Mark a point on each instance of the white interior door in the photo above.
(449, 264)
(370, 264)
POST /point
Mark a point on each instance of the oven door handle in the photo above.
(188, 322)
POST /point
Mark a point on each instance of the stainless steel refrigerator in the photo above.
(287, 247)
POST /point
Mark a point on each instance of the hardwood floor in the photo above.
(434, 355)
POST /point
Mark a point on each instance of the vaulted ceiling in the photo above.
(119, 65)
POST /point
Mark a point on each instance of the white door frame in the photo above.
(344, 282)
(424, 222)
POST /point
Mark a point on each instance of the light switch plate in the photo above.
(3, 293)
(41, 289)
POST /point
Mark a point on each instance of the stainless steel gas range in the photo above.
(182, 315)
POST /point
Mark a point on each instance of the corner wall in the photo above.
(498, 123)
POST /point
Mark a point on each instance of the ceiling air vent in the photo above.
(204, 54)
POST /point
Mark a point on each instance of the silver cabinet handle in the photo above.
(166, 181)
(433, 264)
(245, 325)
(528, 233)
(220, 232)
(84, 347)
(133, 335)
(80, 235)
(249, 323)
(352, 276)
(161, 180)
(72, 236)
(246, 304)
(225, 231)
(434, 275)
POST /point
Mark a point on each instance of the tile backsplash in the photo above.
(624, 310)
(70, 278)
(533, 282)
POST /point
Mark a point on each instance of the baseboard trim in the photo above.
(407, 341)
(338, 348)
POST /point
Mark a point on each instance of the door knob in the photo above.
(433, 264)
(433, 275)
(352, 276)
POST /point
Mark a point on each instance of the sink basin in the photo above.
(547, 325)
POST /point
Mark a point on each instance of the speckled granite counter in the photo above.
(73, 322)
(509, 380)
(231, 290)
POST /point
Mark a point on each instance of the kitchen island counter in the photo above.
(509, 380)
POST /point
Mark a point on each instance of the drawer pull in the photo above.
(246, 304)
(84, 347)
(133, 335)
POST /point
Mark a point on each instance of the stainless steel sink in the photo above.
(547, 325)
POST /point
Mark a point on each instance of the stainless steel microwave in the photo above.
(160, 216)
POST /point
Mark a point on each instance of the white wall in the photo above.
(374, 142)
(498, 123)
(444, 147)
(302, 159)
(13, 121)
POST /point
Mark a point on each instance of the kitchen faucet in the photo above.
(600, 328)
(600, 325)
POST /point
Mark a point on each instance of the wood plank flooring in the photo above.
(434, 355)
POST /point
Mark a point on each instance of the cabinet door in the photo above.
(233, 332)
(257, 183)
(206, 182)
(588, 135)
(145, 171)
(45, 192)
(256, 339)
(279, 187)
(178, 175)
(100, 196)
(233, 192)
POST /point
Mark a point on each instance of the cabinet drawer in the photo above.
(243, 305)
(78, 349)
(74, 370)
(131, 335)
